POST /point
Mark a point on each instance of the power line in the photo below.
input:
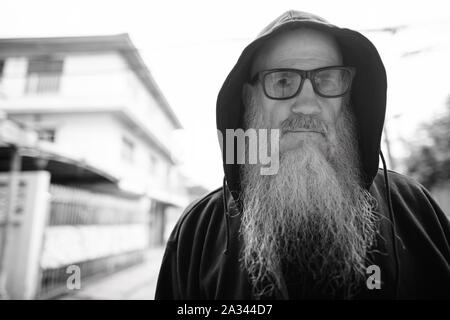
(396, 28)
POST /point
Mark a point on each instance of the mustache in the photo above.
(304, 122)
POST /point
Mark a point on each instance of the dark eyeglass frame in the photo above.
(304, 74)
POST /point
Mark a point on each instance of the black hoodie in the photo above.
(202, 258)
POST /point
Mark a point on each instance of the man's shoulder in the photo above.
(212, 196)
(400, 183)
(203, 205)
(198, 214)
(410, 199)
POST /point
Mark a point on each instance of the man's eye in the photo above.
(327, 82)
(283, 82)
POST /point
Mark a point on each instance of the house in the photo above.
(103, 130)
(93, 98)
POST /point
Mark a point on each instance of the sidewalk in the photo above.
(134, 283)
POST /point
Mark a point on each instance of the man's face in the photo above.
(303, 49)
(312, 222)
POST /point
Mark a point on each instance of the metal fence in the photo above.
(85, 214)
(72, 206)
(54, 281)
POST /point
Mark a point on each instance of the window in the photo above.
(127, 149)
(46, 135)
(44, 75)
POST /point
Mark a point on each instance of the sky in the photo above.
(190, 46)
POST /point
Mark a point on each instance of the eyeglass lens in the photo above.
(328, 82)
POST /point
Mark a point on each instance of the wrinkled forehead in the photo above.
(298, 48)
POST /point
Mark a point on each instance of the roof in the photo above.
(62, 169)
(85, 44)
(126, 117)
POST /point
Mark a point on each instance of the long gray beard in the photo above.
(312, 223)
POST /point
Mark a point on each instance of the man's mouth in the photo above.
(303, 131)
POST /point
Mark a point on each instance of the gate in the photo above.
(98, 233)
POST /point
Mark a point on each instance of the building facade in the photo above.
(94, 99)
(104, 133)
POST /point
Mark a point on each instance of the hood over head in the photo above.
(368, 95)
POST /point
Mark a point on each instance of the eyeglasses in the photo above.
(284, 83)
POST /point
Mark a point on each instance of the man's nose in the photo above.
(306, 101)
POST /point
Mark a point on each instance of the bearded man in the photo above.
(328, 224)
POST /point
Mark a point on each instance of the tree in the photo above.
(429, 162)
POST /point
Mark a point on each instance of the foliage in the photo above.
(429, 162)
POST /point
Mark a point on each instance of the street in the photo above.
(134, 283)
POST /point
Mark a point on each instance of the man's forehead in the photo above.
(298, 48)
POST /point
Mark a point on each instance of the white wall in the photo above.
(97, 82)
(97, 139)
(13, 79)
(146, 107)
(89, 81)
